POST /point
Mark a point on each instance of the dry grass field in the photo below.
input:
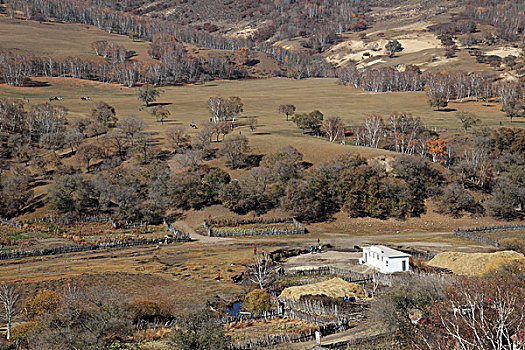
(183, 274)
(261, 98)
(500, 235)
(60, 40)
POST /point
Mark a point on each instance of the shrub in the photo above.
(454, 200)
(147, 310)
(257, 301)
(20, 333)
(44, 302)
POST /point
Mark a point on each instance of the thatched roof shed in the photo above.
(334, 288)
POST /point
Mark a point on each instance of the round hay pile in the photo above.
(333, 288)
(473, 263)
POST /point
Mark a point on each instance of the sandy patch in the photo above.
(418, 42)
(371, 63)
(505, 51)
(355, 50)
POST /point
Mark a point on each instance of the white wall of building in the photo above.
(377, 257)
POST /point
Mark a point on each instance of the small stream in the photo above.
(235, 309)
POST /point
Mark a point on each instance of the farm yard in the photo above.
(207, 181)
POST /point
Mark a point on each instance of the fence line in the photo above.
(355, 277)
(212, 231)
(370, 342)
(68, 220)
(272, 340)
(473, 233)
(269, 315)
(348, 276)
(325, 306)
(16, 254)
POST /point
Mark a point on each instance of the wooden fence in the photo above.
(326, 306)
(376, 342)
(348, 276)
(272, 340)
(390, 280)
(68, 220)
(229, 228)
(269, 315)
(475, 233)
(18, 253)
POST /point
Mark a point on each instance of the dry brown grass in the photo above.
(261, 98)
(181, 275)
(60, 40)
(151, 334)
(474, 263)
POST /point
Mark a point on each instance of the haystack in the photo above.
(474, 263)
(333, 288)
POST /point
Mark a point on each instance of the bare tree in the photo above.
(105, 114)
(234, 107)
(131, 126)
(96, 128)
(333, 127)
(222, 110)
(234, 149)
(371, 132)
(405, 129)
(9, 297)
(219, 128)
(190, 159)
(142, 145)
(88, 152)
(73, 138)
(177, 137)
(217, 108)
(261, 270)
(202, 140)
(117, 139)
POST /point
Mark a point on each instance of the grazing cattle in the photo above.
(85, 98)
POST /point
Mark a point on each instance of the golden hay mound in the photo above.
(473, 263)
(333, 288)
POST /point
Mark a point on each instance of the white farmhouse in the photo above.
(387, 260)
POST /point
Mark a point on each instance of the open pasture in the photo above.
(261, 99)
(60, 40)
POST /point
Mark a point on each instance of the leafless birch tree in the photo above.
(9, 297)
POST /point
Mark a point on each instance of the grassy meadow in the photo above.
(186, 103)
(261, 98)
(60, 40)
